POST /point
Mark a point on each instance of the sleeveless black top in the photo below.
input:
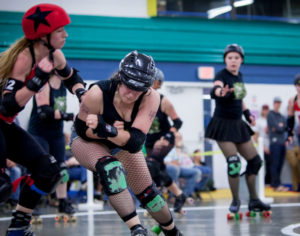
(110, 114)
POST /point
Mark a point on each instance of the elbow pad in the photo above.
(213, 91)
(74, 79)
(45, 113)
(81, 128)
(136, 140)
(65, 72)
(177, 123)
(290, 125)
(9, 105)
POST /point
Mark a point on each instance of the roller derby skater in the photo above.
(24, 70)
(110, 130)
(65, 212)
(231, 132)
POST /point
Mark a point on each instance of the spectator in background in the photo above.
(206, 172)
(180, 159)
(14, 172)
(277, 135)
(261, 130)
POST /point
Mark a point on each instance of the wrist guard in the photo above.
(290, 125)
(38, 81)
(104, 130)
(66, 116)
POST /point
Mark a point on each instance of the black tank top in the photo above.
(53, 127)
(110, 114)
(160, 126)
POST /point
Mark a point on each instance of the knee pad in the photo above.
(253, 165)
(46, 175)
(151, 199)
(112, 175)
(233, 166)
(5, 187)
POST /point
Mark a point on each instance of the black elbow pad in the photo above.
(9, 105)
(74, 79)
(81, 128)
(136, 140)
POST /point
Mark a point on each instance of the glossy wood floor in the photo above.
(206, 218)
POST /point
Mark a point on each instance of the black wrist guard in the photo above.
(104, 130)
(66, 116)
(79, 92)
(247, 115)
(177, 123)
(38, 81)
(213, 91)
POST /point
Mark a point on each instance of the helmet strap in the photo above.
(49, 46)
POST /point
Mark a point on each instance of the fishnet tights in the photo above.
(137, 175)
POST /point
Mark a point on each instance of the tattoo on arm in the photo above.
(152, 114)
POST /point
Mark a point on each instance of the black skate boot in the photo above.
(138, 230)
(66, 211)
(235, 206)
(234, 210)
(256, 205)
(172, 232)
(20, 225)
(179, 202)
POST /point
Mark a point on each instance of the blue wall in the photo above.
(187, 72)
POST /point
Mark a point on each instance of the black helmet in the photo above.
(137, 71)
(297, 79)
(234, 48)
(159, 75)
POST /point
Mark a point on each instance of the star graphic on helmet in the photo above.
(39, 18)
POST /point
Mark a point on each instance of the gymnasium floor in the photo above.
(204, 218)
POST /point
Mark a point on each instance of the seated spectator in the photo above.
(176, 158)
(206, 172)
(14, 172)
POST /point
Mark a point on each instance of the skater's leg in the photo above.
(230, 152)
(89, 154)
(254, 162)
(140, 181)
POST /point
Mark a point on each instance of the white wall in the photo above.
(120, 8)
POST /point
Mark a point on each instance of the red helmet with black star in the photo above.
(42, 19)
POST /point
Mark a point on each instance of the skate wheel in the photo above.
(73, 218)
(66, 219)
(156, 229)
(238, 216)
(57, 218)
(267, 214)
(230, 216)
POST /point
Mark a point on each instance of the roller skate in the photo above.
(66, 212)
(257, 206)
(179, 202)
(172, 232)
(138, 230)
(234, 211)
(20, 225)
(36, 219)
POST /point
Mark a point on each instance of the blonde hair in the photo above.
(9, 57)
